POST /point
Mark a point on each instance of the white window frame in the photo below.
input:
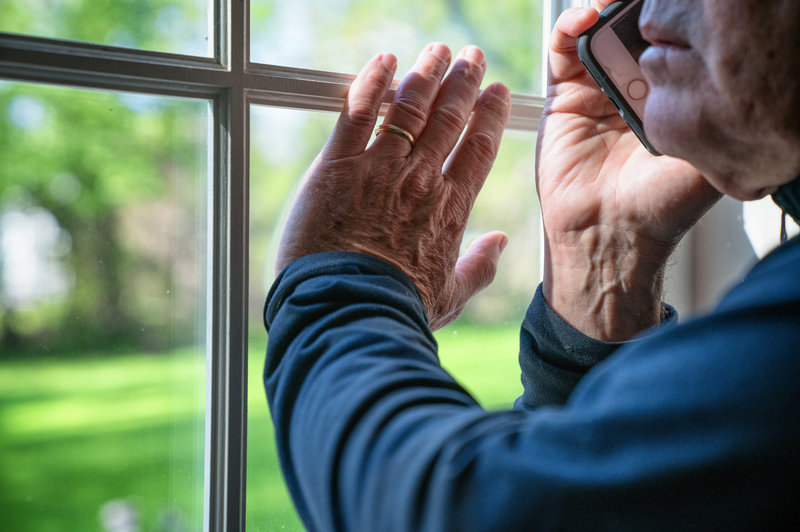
(231, 83)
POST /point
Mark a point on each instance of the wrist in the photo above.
(608, 288)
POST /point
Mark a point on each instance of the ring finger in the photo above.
(414, 97)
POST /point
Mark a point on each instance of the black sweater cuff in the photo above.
(554, 356)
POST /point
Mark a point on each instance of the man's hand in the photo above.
(405, 202)
(612, 212)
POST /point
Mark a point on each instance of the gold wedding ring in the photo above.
(389, 128)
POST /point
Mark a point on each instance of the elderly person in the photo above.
(691, 425)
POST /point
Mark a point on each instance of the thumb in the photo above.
(563, 62)
(476, 269)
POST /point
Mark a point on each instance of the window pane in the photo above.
(177, 26)
(341, 35)
(480, 349)
(283, 144)
(102, 310)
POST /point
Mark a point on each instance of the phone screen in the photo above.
(627, 29)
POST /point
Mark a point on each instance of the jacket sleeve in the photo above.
(681, 429)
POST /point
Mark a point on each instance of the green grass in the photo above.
(77, 433)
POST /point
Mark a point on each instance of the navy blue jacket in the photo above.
(691, 426)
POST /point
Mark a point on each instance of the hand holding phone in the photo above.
(610, 51)
(607, 204)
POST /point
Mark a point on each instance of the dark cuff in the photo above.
(554, 356)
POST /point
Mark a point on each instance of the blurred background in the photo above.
(104, 238)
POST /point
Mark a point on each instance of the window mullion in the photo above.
(227, 375)
(227, 379)
(552, 9)
(95, 66)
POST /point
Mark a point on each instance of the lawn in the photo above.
(78, 433)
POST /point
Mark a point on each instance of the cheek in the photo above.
(696, 104)
(675, 119)
(756, 97)
(752, 64)
(690, 125)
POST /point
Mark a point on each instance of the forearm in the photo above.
(351, 372)
(608, 286)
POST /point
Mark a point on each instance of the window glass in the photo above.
(340, 35)
(102, 309)
(480, 348)
(283, 143)
(177, 26)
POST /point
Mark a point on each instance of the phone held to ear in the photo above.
(610, 51)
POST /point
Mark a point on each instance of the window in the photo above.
(145, 170)
(103, 275)
(337, 36)
(340, 36)
(128, 125)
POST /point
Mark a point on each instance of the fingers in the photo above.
(357, 121)
(472, 160)
(412, 102)
(563, 57)
(453, 105)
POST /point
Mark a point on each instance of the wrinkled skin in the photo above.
(724, 89)
(723, 97)
(408, 205)
(612, 212)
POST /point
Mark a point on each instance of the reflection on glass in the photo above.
(177, 26)
(102, 310)
(341, 35)
(480, 349)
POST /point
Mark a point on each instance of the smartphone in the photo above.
(610, 51)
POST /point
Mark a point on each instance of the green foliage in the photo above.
(104, 165)
(92, 137)
(340, 35)
(178, 26)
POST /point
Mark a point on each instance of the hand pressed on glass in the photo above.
(407, 200)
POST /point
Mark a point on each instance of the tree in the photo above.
(102, 163)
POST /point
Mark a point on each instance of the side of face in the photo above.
(725, 93)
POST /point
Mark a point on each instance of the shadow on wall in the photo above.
(714, 256)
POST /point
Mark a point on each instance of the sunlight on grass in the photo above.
(56, 398)
(484, 361)
(77, 433)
